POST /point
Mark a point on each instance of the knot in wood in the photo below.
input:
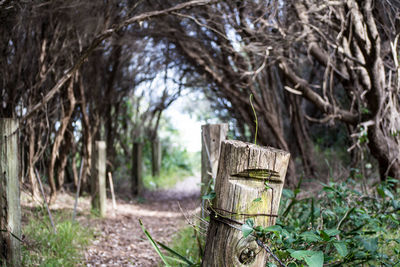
(247, 256)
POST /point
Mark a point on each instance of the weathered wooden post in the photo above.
(241, 193)
(137, 183)
(211, 137)
(10, 207)
(98, 178)
(156, 154)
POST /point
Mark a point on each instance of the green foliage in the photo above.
(186, 242)
(247, 228)
(176, 164)
(343, 227)
(153, 243)
(44, 248)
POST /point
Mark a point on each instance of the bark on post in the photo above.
(137, 183)
(241, 193)
(156, 157)
(10, 207)
(211, 137)
(98, 177)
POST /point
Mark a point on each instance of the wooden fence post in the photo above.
(10, 207)
(98, 177)
(241, 193)
(156, 156)
(137, 183)
(211, 137)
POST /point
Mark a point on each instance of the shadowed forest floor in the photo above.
(119, 239)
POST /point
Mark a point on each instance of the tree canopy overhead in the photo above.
(69, 68)
(323, 61)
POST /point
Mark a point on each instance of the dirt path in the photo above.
(120, 240)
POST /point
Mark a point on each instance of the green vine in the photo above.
(255, 116)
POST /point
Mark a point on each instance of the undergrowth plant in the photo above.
(342, 227)
(42, 247)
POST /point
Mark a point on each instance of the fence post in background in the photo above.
(137, 183)
(248, 186)
(156, 156)
(98, 178)
(211, 137)
(10, 207)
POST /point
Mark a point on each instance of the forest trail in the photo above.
(119, 239)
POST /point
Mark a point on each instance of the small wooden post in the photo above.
(156, 156)
(98, 186)
(10, 207)
(211, 137)
(137, 183)
(241, 193)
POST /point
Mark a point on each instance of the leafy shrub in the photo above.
(342, 227)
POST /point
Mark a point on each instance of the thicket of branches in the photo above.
(69, 69)
(305, 62)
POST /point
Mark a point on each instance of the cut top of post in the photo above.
(254, 161)
(250, 181)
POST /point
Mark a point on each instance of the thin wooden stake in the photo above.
(110, 180)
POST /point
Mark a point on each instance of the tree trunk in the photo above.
(137, 182)
(59, 138)
(386, 151)
(156, 157)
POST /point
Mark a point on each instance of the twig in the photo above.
(45, 201)
(78, 189)
(268, 250)
(256, 120)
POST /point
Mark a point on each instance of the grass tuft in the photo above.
(44, 248)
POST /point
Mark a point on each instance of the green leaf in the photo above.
(247, 228)
(173, 252)
(312, 258)
(273, 228)
(316, 260)
(371, 244)
(380, 192)
(210, 196)
(154, 244)
(266, 185)
(288, 193)
(388, 193)
(341, 248)
(257, 199)
(332, 232)
(310, 237)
